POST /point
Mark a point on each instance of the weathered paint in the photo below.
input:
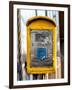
(41, 23)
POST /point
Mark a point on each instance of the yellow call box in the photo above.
(41, 45)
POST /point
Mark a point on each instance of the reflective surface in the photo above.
(41, 48)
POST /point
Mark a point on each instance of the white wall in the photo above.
(4, 45)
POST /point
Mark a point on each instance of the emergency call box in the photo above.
(41, 45)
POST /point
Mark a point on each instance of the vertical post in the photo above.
(45, 12)
(36, 12)
(58, 70)
(19, 65)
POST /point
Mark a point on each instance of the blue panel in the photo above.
(41, 53)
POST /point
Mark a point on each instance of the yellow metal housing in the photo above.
(41, 23)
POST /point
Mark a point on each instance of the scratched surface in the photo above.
(41, 48)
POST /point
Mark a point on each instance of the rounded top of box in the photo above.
(35, 18)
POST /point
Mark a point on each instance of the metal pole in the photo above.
(36, 12)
